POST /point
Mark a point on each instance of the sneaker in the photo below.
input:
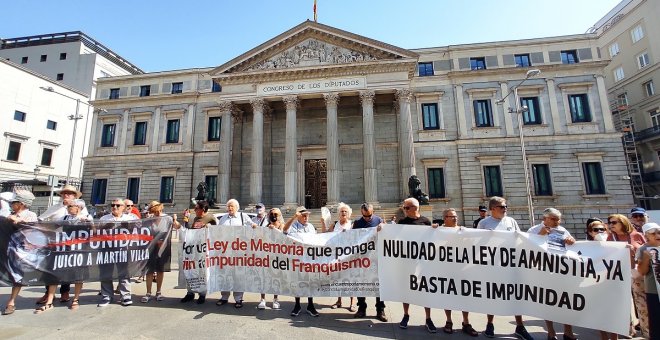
(522, 333)
(276, 305)
(126, 302)
(262, 304)
(380, 316)
(490, 330)
(103, 303)
(201, 299)
(312, 311)
(189, 297)
(430, 326)
(404, 322)
(296, 310)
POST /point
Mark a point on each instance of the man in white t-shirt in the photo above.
(498, 220)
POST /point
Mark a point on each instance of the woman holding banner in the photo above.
(647, 257)
(344, 223)
(275, 222)
(161, 251)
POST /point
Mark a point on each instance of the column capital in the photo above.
(367, 97)
(331, 99)
(226, 106)
(259, 104)
(236, 115)
(403, 95)
(291, 102)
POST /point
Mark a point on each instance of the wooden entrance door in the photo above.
(316, 183)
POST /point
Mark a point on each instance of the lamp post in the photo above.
(520, 111)
(75, 117)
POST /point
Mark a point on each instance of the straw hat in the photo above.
(71, 189)
(154, 204)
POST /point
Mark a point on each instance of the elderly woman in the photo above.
(596, 230)
(75, 212)
(276, 223)
(344, 223)
(161, 251)
(622, 230)
(20, 203)
(645, 260)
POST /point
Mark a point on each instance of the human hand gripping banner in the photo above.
(506, 273)
(262, 260)
(52, 252)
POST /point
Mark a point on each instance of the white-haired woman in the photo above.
(342, 224)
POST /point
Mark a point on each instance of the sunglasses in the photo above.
(613, 222)
(501, 206)
(409, 207)
(598, 230)
(637, 215)
(72, 206)
(116, 205)
(129, 205)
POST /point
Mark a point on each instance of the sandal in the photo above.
(448, 328)
(10, 309)
(336, 305)
(146, 298)
(159, 296)
(352, 308)
(43, 308)
(467, 329)
(74, 304)
(239, 304)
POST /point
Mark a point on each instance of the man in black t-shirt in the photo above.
(482, 215)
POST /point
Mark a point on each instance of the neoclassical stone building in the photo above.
(318, 115)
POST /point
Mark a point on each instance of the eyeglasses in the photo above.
(598, 230)
(501, 206)
(408, 207)
(129, 205)
(116, 205)
(72, 206)
(612, 222)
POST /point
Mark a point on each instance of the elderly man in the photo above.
(412, 216)
(638, 218)
(299, 224)
(233, 218)
(116, 215)
(498, 220)
(369, 220)
(261, 220)
(558, 238)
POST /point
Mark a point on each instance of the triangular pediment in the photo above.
(311, 44)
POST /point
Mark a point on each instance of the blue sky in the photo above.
(169, 35)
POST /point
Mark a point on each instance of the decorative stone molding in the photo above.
(226, 106)
(367, 97)
(291, 102)
(403, 94)
(258, 104)
(331, 99)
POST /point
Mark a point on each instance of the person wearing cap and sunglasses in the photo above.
(299, 224)
(498, 220)
(638, 218)
(647, 257)
(482, 214)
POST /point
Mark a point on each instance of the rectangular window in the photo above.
(637, 34)
(622, 99)
(14, 151)
(542, 181)
(212, 185)
(43, 58)
(430, 116)
(213, 134)
(579, 106)
(482, 113)
(436, 183)
(172, 131)
(46, 156)
(99, 187)
(493, 181)
(51, 125)
(114, 94)
(425, 69)
(166, 189)
(649, 88)
(655, 117)
(618, 73)
(145, 90)
(62, 56)
(133, 189)
(24, 60)
(593, 178)
(569, 57)
(643, 60)
(177, 88)
(478, 63)
(60, 76)
(216, 87)
(531, 115)
(108, 135)
(140, 137)
(19, 116)
(522, 60)
(614, 49)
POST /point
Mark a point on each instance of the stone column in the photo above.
(554, 110)
(257, 163)
(93, 143)
(224, 155)
(124, 132)
(508, 117)
(604, 104)
(155, 129)
(460, 111)
(290, 155)
(331, 102)
(369, 147)
(406, 147)
(190, 121)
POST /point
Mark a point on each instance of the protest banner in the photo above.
(506, 273)
(53, 252)
(262, 260)
(655, 266)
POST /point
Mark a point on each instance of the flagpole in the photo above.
(315, 19)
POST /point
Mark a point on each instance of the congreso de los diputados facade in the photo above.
(318, 115)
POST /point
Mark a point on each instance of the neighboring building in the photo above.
(629, 35)
(318, 115)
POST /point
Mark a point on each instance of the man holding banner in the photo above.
(498, 220)
(234, 218)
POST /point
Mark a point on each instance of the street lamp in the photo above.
(520, 111)
(75, 117)
(36, 170)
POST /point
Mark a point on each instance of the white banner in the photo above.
(506, 273)
(262, 260)
(192, 259)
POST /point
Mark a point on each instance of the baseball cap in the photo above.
(482, 208)
(259, 206)
(638, 210)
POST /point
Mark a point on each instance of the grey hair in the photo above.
(446, 211)
(412, 201)
(233, 201)
(551, 212)
(495, 201)
(118, 200)
(344, 205)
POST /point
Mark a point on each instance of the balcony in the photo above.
(647, 133)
